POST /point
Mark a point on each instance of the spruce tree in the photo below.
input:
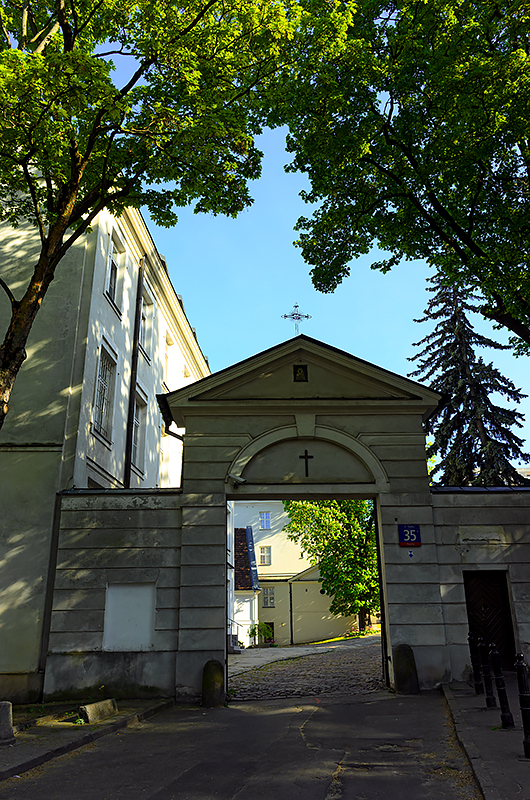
(472, 437)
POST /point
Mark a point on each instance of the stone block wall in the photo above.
(412, 585)
(175, 544)
(482, 529)
(114, 538)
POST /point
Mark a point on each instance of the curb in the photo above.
(480, 771)
(81, 741)
(34, 723)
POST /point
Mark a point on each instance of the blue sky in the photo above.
(237, 278)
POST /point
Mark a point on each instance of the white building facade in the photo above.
(111, 335)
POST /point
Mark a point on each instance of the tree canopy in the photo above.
(114, 103)
(415, 135)
(473, 438)
(339, 536)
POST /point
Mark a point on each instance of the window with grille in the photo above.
(265, 556)
(104, 395)
(268, 597)
(265, 520)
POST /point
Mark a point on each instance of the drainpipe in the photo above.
(134, 377)
(291, 611)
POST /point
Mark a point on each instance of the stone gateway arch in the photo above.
(304, 419)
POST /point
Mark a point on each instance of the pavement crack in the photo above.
(335, 788)
(302, 732)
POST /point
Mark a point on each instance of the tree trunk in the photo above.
(13, 348)
(362, 619)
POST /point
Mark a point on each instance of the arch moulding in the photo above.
(321, 432)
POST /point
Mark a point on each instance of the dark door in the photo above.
(488, 611)
(271, 637)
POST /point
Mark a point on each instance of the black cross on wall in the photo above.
(306, 458)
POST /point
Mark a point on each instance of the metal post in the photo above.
(486, 673)
(524, 700)
(475, 663)
(500, 683)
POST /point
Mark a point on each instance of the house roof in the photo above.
(246, 576)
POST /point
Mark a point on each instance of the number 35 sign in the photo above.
(409, 535)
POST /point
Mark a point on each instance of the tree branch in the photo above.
(194, 22)
(431, 195)
(68, 36)
(53, 30)
(5, 32)
(501, 315)
(24, 26)
(14, 303)
(418, 205)
(33, 192)
(87, 221)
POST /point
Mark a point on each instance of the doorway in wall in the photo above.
(489, 613)
(290, 596)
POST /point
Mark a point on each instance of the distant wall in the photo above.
(482, 529)
(312, 619)
(132, 541)
(301, 605)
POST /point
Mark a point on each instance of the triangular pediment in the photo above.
(299, 370)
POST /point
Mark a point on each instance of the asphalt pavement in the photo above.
(434, 745)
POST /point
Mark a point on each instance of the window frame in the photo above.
(139, 432)
(104, 394)
(114, 268)
(145, 333)
(265, 555)
(264, 520)
(268, 596)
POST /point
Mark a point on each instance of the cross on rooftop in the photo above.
(296, 316)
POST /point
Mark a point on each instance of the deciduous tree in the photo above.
(174, 125)
(339, 536)
(415, 136)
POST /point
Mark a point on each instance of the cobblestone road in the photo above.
(345, 670)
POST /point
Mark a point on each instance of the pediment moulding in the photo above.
(301, 374)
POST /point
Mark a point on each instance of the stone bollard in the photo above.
(405, 672)
(213, 684)
(524, 700)
(486, 673)
(6, 723)
(500, 683)
(475, 663)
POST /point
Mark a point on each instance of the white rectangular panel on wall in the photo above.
(129, 616)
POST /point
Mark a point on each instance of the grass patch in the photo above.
(373, 631)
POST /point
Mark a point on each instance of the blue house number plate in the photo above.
(409, 535)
